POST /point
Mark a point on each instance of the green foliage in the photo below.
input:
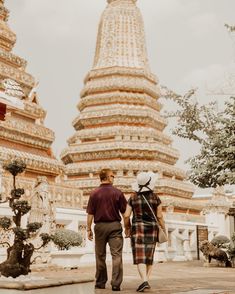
(231, 251)
(15, 167)
(233, 237)
(46, 238)
(215, 131)
(64, 239)
(220, 241)
(33, 227)
(231, 247)
(21, 206)
(5, 222)
(17, 193)
(20, 233)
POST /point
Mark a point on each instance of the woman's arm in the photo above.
(127, 222)
(160, 217)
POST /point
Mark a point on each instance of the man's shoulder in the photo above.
(109, 187)
(95, 191)
(117, 190)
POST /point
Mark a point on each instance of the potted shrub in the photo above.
(65, 239)
(220, 241)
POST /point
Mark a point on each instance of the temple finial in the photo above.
(121, 39)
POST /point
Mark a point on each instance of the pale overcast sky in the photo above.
(187, 45)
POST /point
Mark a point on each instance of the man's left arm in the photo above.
(90, 218)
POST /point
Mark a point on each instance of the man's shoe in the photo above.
(99, 286)
(116, 288)
(144, 285)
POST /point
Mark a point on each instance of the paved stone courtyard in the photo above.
(169, 278)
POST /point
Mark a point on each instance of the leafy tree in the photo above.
(20, 252)
(215, 132)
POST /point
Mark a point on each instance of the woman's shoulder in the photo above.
(156, 197)
(132, 197)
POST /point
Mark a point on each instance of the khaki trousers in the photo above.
(111, 233)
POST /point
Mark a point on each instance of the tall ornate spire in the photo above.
(121, 40)
(3, 11)
(22, 134)
(12, 66)
(7, 37)
(119, 125)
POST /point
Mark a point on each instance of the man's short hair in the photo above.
(104, 173)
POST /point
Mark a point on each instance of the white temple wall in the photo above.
(219, 220)
(231, 221)
(70, 218)
(182, 244)
(229, 226)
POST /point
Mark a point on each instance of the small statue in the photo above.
(42, 208)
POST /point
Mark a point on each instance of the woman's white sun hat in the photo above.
(145, 181)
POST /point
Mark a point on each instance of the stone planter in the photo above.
(72, 258)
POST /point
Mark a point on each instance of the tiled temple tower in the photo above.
(22, 133)
(120, 125)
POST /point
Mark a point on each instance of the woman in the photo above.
(143, 230)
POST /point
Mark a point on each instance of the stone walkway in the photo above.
(168, 278)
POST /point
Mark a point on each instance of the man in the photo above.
(104, 207)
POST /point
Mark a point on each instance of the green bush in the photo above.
(5, 222)
(233, 238)
(231, 247)
(220, 241)
(65, 239)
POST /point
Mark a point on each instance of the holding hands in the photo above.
(127, 232)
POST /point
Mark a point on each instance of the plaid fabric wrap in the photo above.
(144, 230)
(143, 253)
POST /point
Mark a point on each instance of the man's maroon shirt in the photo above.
(105, 203)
